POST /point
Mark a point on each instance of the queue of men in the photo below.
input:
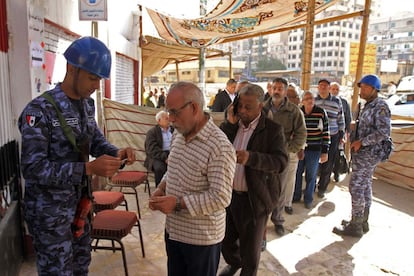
(271, 134)
(217, 186)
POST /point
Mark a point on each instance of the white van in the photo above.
(402, 102)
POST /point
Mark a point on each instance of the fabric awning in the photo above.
(234, 20)
(158, 53)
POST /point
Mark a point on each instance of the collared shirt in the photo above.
(166, 139)
(240, 143)
(200, 171)
(232, 96)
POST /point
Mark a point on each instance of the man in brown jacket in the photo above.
(261, 157)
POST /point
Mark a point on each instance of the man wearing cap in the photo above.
(56, 168)
(333, 108)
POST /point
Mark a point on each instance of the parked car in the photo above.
(402, 104)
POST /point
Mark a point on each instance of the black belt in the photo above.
(240, 193)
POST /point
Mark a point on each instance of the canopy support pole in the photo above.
(307, 54)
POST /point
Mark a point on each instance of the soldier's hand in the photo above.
(104, 165)
(127, 153)
(356, 145)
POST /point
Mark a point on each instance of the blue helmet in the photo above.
(371, 80)
(90, 54)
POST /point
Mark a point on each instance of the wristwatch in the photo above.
(178, 204)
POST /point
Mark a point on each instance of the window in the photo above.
(318, 35)
(223, 74)
(342, 53)
(322, 63)
(324, 34)
(331, 33)
(330, 43)
(329, 63)
(329, 53)
(317, 44)
(323, 44)
(337, 43)
(316, 54)
(323, 54)
(315, 64)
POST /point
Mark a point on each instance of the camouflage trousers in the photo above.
(360, 185)
(57, 251)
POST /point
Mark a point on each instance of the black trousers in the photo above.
(327, 167)
(244, 234)
(159, 167)
(189, 260)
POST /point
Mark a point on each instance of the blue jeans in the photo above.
(310, 163)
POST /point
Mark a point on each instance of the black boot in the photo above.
(353, 228)
(365, 225)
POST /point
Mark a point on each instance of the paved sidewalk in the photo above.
(308, 248)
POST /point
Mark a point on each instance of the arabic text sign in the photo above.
(93, 10)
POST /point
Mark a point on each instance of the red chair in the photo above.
(114, 225)
(104, 200)
(130, 180)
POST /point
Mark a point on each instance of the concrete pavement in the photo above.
(308, 247)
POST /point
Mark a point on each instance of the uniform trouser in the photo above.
(244, 235)
(57, 251)
(159, 167)
(326, 168)
(360, 185)
(188, 260)
(310, 165)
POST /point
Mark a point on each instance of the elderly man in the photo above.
(334, 90)
(157, 146)
(261, 156)
(197, 186)
(287, 114)
(333, 108)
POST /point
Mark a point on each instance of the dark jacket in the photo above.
(153, 147)
(221, 101)
(267, 159)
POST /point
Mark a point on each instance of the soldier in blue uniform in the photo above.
(54, 172)
(372, 128)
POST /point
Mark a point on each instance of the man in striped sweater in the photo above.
(333, 108)
(316, 150)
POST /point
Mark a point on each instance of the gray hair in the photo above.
(159, 115)
(253, 89)
(191, 92)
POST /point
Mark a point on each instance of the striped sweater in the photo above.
(317, 128)
(333, 108)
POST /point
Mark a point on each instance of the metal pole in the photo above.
(361, 53)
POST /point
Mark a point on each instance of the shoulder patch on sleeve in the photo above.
(382, 111)
(33, 119)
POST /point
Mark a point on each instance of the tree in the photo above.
(265, 64)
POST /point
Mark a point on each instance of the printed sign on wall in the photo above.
(93, 10)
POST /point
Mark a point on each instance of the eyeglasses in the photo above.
(176, 112)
